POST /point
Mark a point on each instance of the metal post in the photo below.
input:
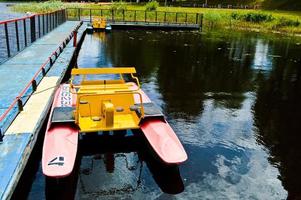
(122, 15)
(39, 24)
(196, 18)
(61, 17)
(57, 17)
(1, 136)
(90, 16)
(25, 32)
(33, 29)
(112, 15)
(78, 12)
(50, 22)
(74, 38)
(43, 19)
(47, 24)
(201, 22)
(43, 72)
(135, 16)
(164, 17)
(53, 20)
(186, 18)
(101, 12)
(50, 60)
(156, 16)
(20, 105)
(7, 40)
(34, 85)
(17, 35)
(144, 16)
(64, 15)
(176, 17)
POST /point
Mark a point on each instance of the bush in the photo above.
(46, 6)
(287, 22)
(151, 6)
(253, 17)
(212, 18)
(118, 6)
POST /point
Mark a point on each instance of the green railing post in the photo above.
(196, 18)
(164, 17)
(176, 17)
(135, 16)
(145, 16)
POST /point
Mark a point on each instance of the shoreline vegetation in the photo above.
(267, 21)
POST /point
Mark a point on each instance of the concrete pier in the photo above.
(21, 135)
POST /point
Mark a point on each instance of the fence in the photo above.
(203, 5)
(16, 34)
(86, 14)
(17, 105)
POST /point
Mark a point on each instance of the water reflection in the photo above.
(278, 114)
(234, 101)
(113, 166)
(208, 86)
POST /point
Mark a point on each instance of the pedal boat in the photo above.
(103, 105)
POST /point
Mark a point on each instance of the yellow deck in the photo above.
(29, 118)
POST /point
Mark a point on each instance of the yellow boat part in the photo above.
(99, 22)
(104, 105)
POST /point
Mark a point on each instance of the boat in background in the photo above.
(98, 24)
(104, 105)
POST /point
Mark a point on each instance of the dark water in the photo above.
(234, 102)
(6, 13)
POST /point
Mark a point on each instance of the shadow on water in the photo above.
(125, 154)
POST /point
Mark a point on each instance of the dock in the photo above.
(139, 19)
(40, 67)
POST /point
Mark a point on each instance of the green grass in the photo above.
(253, 20)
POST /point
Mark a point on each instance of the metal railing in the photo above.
(201, 4)
(136, 16)
(17, 105)
(16, 34)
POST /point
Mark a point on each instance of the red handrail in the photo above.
(26, 87)
(2, 117)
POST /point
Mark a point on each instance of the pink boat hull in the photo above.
(61, 139)
(161, 137)
(164, 141)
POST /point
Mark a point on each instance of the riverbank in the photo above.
(286, 22)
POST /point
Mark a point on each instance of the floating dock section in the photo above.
(139, 19)
(20, 137)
